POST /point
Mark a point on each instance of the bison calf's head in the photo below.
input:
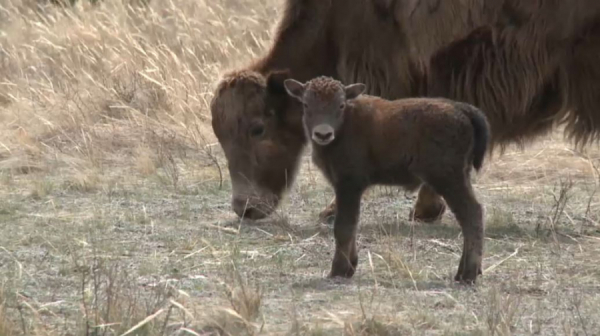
(260, 130)
(324, 100)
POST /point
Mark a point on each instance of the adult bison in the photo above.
(528, 65)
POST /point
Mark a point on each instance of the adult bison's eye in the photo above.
(257, 130)
(342, 106)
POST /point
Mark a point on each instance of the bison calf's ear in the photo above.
(294, 88)
(275, 81)
(354, 90)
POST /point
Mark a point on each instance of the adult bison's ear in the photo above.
(294, 88)
(354, 90)
(275, 81)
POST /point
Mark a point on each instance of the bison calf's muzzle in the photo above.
(323, 134)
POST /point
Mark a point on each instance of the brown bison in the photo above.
(362, 141)
(529, 65)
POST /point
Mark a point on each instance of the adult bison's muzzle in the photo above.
(250, 202)
(252, 208)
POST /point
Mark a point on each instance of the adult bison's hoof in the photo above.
(343, 268)
(327, 215)
(430, 213)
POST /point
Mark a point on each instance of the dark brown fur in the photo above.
(405, 142)
(529, 65)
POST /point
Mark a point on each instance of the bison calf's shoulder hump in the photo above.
(360, 140)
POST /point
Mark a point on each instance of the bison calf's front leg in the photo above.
(345, 258)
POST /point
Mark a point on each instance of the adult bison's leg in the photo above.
(429, 206)
(345, 258)
(458, 193)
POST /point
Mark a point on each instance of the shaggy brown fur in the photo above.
(529, 65)
(365, 141)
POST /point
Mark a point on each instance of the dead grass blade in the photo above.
(143, 322)
(496, 265)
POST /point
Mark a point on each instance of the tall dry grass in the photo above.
(90, 85)
(95, 89)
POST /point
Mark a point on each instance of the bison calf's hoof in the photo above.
(344, 269)
(468, 275)
(427, 214)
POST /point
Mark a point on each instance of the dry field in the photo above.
(115, 215)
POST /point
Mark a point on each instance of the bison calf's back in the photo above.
(419, 142)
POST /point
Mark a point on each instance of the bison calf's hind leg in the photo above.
(460, 197)
(429, 206)
(345, 258)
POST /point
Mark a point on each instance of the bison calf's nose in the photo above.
(323, 134)
(243, 208)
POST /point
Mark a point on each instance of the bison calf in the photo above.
(362, 141)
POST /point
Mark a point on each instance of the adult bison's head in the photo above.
(260, 130)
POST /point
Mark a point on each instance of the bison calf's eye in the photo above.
(257, 131)
(342, 106)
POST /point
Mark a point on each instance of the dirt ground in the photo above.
(115, 202)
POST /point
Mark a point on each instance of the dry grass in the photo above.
(115, 211)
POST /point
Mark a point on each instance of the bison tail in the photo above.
(481, 134)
